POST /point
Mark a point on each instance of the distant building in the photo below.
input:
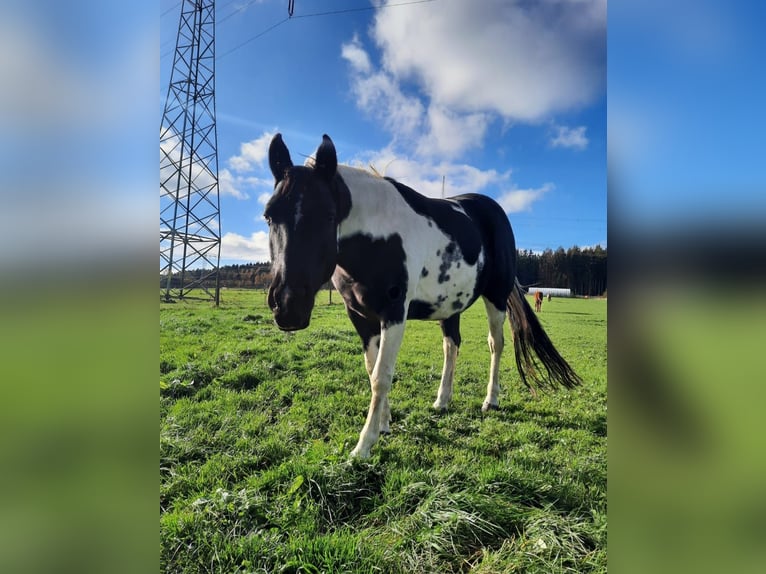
(553, 291)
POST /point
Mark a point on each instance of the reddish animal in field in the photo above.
(538, 300)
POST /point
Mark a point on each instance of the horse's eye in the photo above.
(268, 220)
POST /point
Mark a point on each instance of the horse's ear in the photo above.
(279, 158)
(326, 159)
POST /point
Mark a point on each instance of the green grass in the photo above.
(257, 426)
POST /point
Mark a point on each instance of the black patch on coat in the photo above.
(366, 328)
(451, 255)
(457, 305)
(371, 276)
(420, 310)
(342, 197)
(451, 328)
(424, 272)
(497, 274)
(451, 222)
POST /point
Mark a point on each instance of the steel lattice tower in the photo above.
(190, 220)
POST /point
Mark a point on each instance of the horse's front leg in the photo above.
(370, 358)
(380, 382)
(369, 331)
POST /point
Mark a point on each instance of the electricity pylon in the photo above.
(190, 209)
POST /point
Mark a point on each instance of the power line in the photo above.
(361, 9)
(236, 11)
(292, 16)
(317, 14)
(238, 46)
(218, 23)
(166, 12)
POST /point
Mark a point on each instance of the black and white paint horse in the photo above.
(394, 255)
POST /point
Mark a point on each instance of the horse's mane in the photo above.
(310, 162)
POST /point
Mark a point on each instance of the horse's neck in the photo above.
(372, 201)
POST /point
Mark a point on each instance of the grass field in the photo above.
(256, 427)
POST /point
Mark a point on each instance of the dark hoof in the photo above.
(385, 432)
(487, 408)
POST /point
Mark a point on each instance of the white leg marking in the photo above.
(385, 418)
(496, 319)
(444, 395)
(370, 356)
(380, 381)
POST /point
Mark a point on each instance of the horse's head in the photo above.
(303, 216)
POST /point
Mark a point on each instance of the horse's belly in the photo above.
(441, 292)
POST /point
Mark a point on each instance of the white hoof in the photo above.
(440, 408)
(360, 454)
(489, 407)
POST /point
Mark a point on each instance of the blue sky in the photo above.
(500, 98)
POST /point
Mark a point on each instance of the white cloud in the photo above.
(254, 248)
(245, 168)
(517, 200)
(379, 94)
(449, 133)
(522, 60)
(570, 137)
(356, 56)
(433, 132)
(228, 185)
(251, 154)
(425, 176)
(515, 61)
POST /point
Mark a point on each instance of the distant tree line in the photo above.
(581, 270)
(245, 276)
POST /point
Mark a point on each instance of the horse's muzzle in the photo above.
(286, 323)
(291, 309)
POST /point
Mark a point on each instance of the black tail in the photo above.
(530, 342)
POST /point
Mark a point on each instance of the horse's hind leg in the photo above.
(451, 332)
(496, 318)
